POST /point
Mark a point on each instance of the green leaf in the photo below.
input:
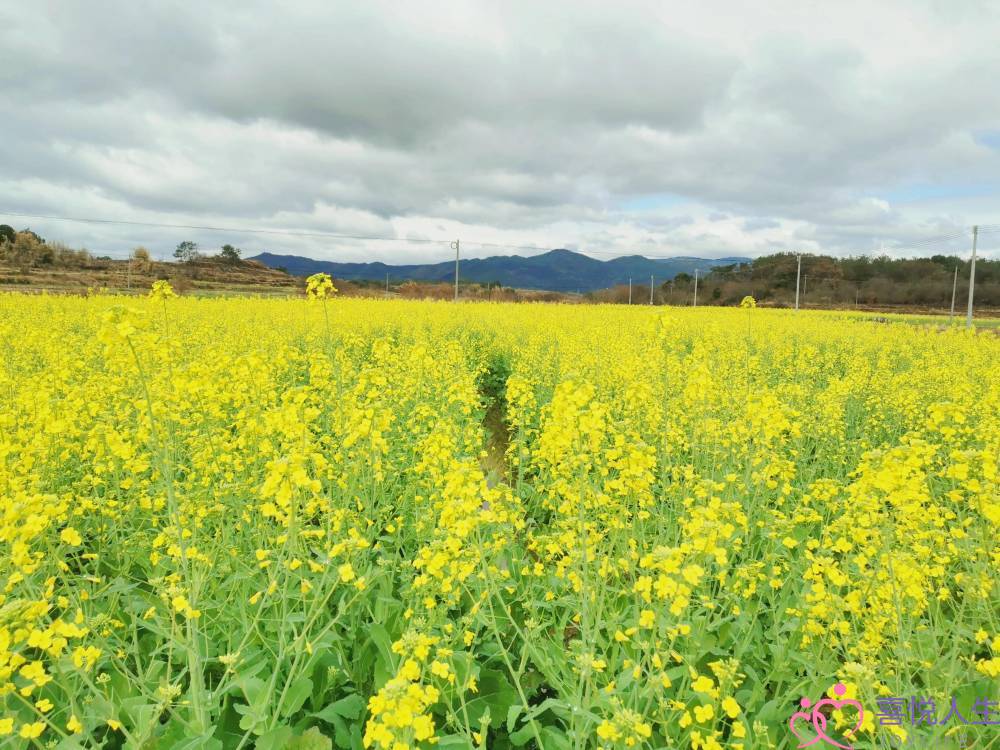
(341, 734)
(251, 721)
(253, 689)
(311, 739)
(554, 739)
(349, 708)
(276, 739)
(496, 692)
(204, 742)
(456, 742)
(296, 696)
(512, 713)
(381, 641)
(522, 735)
(771, 710)
(140, 713)
(558, 707)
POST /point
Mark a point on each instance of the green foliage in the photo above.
(828, 281)
(186, 250)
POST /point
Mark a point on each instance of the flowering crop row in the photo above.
(367, 524)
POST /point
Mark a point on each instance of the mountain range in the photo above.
(556, 270)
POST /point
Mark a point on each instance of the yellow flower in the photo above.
(607, 731)
(31, 731)
(704, 685)
(731, 707)
(703, 714)
(162, 290)
(71, 536)
(319, 285)
(35, 671)
(423, 728)
(182, 606)
(346, 572)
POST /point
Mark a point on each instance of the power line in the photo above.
(931, 241)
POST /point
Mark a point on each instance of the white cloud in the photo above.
(773, 126)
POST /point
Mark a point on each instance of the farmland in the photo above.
(289, 523)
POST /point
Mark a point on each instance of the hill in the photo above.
(827, 281)
(30, 264)
(556, 270)
(202, 276)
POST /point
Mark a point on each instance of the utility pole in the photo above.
(387, 285)
(972, 276)
(798, 274)
(630, 290)
(695, 287)
(456, 245)
(650, 290)
(954, 288)
(805, 282)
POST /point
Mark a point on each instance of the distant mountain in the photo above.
(556, 270)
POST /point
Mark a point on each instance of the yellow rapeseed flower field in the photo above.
(238, 523)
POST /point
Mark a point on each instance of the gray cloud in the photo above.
(520, 123)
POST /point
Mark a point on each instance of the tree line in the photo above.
(829, 281)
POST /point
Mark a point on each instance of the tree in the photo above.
(186, 251)
(7, 233)
(26, 249)
(230, 253)
(37, 237)
(141, 259)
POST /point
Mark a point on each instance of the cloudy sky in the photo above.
(661, 128)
